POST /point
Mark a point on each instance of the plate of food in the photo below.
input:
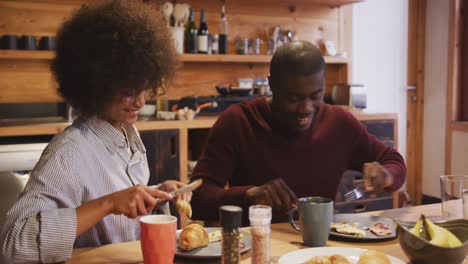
(337, 255)
(362, 227)
(195, 241)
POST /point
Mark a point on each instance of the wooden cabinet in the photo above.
(163, 154)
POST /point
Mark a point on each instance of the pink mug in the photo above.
(158, 238)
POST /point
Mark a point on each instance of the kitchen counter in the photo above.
(12, 129)
(35, 128)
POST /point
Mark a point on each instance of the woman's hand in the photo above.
(171, 185)
(136, 201)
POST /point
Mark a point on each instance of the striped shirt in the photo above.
(88, 160)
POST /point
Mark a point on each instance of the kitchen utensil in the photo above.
(354, 194)
(179, 13)
(166, 10)
(340, 94)
(234, 91)
(187, 188)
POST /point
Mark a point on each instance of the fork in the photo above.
(354, 194)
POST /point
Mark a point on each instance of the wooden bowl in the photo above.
(420, 251)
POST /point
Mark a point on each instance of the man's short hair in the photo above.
(296, 58)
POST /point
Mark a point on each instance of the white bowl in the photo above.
(148, 110)
(166, 115)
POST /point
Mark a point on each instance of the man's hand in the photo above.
(376, 177)
(274, 193)
(135, 201)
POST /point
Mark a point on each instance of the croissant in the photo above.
(193, 236)
(184, 207)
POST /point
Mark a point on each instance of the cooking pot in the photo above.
(340, 94)
(233, 91)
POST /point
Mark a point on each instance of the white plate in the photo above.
(213, 250)
(351, 254)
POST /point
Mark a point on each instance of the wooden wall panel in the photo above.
(27, 81)
(33, 17)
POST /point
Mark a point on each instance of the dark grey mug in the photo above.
(315, 217)
(47, 43)
(9, 42)
(27, 42)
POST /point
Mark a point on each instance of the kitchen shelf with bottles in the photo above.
(202, 58)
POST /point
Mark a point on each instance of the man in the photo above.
(271, 151)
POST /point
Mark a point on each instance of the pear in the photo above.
(440, 236)
(420, 229)
(416, 228)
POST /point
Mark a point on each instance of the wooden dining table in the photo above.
(283, 239)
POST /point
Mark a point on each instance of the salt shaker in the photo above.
(231, 218)
(260, 219)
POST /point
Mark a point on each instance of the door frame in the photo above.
(415, 98)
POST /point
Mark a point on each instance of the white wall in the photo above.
(380, 41)
(435, 95)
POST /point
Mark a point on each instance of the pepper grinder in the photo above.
(231, 218)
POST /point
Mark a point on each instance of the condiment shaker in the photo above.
(231, 218)
(260, 220)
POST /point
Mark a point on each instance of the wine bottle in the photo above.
(223, 32)
(203, 34)
(191, 33)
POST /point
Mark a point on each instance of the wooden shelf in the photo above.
(246, 58)
(225, 58)
(142, 125)
(196, 58)
(330, 3)
(27, 54)
(54, 128)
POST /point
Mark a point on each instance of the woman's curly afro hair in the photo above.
(116, 46)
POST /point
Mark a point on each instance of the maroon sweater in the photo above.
(244, 151)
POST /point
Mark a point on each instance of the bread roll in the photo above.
(334, 259)
(373, 257)
(193, 236)
(338, 259)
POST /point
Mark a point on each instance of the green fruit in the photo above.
(420, 229)
(440, 236)
(453, 241)
(415, 230)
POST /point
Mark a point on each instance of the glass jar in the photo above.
(242, 46)
(215, 44)
(231, 218)
(260, 220)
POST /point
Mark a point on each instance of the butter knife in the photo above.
(187, 188)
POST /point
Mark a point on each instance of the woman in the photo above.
(89, 185)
